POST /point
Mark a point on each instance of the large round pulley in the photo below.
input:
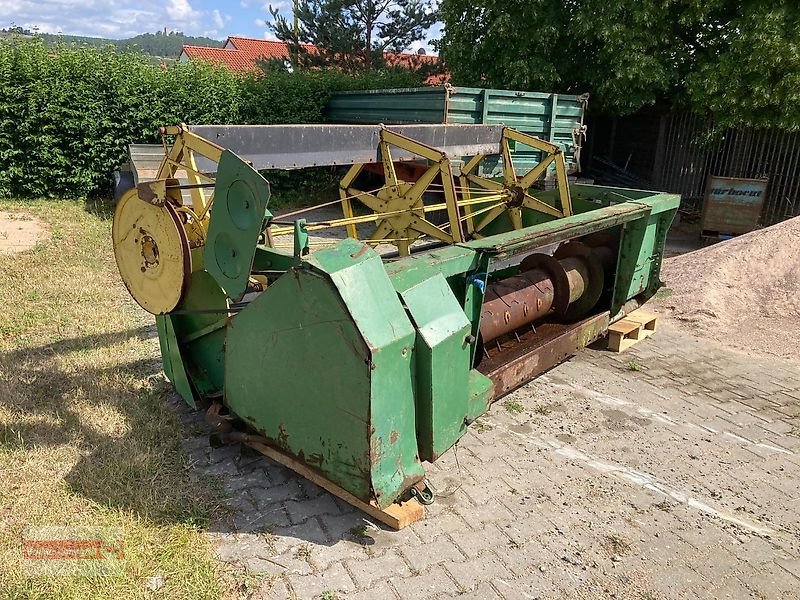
(152, 252)
(593, 288)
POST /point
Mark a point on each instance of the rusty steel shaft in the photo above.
(517, 301)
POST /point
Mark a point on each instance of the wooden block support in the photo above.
(396, 516)
(638, 325)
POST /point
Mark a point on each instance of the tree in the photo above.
(739, 59)
(353, 34)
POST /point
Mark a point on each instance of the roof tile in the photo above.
(247, 52)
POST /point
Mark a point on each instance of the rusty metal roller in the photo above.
(569, 284)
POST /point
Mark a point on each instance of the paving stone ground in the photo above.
(669, 471)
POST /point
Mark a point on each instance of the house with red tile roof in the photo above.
(242, 54)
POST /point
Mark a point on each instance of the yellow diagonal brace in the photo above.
(542, 207)
(563, 186)
(369, 200)
(490, 216)
(413, 146)
(471, 164)
(197, 193)
(381, 231)
(536, 172)
(530, 140)
(509, 174)
(487, 184)
(347, 206)
(171, 160)
(415, 191)
(426, 227)
(516, 217)
(452, 202)
(389, 174)
(465, 202)
(201, 145)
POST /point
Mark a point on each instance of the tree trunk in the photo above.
(370, 23)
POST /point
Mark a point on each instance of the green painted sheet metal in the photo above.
(398, 106)
(551, 117)
(641, 251)
(199, 322)
(320, 363)
(240, 203)
(172, 359)
(442, 356)
(361, 368)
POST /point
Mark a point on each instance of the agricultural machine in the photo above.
(357, 361)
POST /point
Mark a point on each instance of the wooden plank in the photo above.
(624, 326)
(642, 316)
(636, 326)
(396, 516)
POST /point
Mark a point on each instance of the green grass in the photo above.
(481, 427)
(513, 406)
(85, 435)
(544, 409)
(633, 365)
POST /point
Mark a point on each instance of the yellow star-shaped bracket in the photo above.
(398, 209)
(514, 189)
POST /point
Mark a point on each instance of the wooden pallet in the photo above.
(396, 516)
(638, 325)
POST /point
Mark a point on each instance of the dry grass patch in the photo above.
(85, 436)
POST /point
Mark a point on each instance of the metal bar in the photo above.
(301, 146)
(530, 140)
(347, 206)
(451, 200)
(509, 173)
(563, 186)
(507, 244)
(536, 172)
(471, 164)
(533, 203)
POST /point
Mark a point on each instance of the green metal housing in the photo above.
(363, 368)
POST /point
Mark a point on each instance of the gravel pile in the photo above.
(744, 292)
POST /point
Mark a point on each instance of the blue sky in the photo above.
(114, 19)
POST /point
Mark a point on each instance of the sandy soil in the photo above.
(19, 232)
(744, 292)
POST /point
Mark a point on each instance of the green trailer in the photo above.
(355, 367)
(556, 118)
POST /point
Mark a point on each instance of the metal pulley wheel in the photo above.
(152, 252)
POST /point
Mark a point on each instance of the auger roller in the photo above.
(354, 367)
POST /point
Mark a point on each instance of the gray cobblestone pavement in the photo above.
(668, 471)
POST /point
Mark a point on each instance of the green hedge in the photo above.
(68, 114)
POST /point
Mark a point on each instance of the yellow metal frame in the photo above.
(183, 157)
(516, 188)
(399, 211)
(397, 208)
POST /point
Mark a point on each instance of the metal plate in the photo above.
(237, 219)
(152, 253)
(301, 146)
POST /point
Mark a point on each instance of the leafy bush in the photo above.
(67, 114)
